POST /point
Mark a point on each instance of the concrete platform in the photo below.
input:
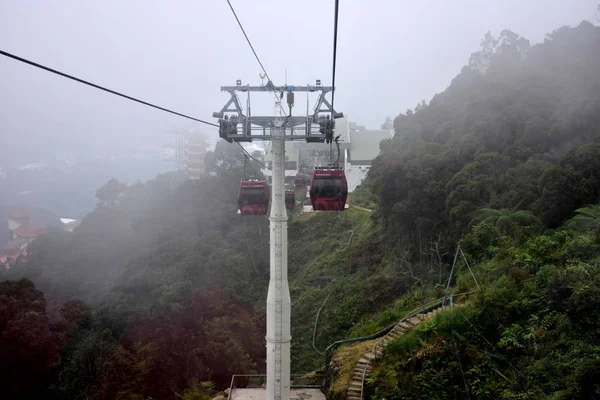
(261, 394)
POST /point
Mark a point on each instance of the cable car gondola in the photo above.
(253, 197)
(290, 199)
(328, 189)
(300, 181)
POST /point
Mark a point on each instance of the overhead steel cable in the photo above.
(248, 40)
(250, 155)
(34, 64)
(335, 30)
(256, 160)
(64, 75)
(254, 51)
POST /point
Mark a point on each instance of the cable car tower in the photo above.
(235, 126)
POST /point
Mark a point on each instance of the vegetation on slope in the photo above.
(531, 333)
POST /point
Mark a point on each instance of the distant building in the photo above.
(69, 224)
(362, 150)
(195, 151)
(359, 146)
(28, 231)
(21, 232)
(16, 218)
(291, 159)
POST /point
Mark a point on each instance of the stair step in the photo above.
(354, 389)
(414, 320)
(404, 325)
(353, 398)
(355, 385)
(399, 329)
(399, 332)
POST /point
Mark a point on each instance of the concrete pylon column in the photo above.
(278, 298)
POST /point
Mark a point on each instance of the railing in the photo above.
(421, 310)
(435, 304)
(315, 381)
(380, 333)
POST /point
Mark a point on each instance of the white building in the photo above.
(363, 148)
(358, 148)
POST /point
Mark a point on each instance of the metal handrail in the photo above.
(292, 376)
(373, 353)
(375, 335)
(428, 307)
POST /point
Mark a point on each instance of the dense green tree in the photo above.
(29, 342)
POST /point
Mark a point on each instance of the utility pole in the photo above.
(274, 128)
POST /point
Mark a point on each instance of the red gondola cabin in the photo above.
(253, 197)
(290, 199)
(328, 190)
(300, 181)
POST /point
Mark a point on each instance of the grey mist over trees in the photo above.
(160, 292)
(390, 56)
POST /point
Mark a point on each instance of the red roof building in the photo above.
(29, 230)
(18, 213)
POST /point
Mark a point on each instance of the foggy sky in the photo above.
(391, 54)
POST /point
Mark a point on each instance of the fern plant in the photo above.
(587, 218)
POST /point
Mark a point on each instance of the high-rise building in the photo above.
(195, 150)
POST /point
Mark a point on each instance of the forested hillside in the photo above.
(504, 162)
(517, 129)
(160, 292)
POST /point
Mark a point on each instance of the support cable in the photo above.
(316, 324)
(254, 51)
(245, 162)
(491, 345)
(64, 75)
(252, 157)
(335, 30)
(460, 365)
(248, 40)
(256, 160)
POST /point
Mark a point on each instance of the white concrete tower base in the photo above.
(278, 298)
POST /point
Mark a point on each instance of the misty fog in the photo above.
(133, 266)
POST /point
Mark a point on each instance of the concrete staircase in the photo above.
(363, 368)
